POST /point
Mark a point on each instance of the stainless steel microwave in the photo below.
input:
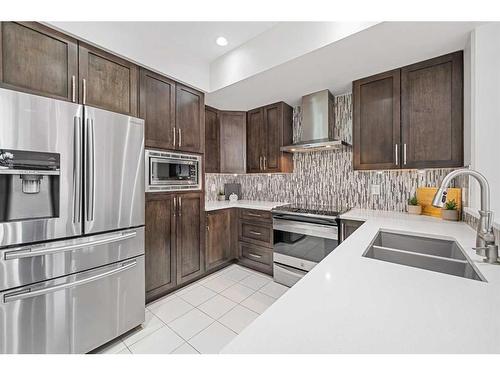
(171, 171)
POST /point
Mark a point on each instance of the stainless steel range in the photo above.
(71, 225)
(303, 236)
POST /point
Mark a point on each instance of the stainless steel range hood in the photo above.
(314, 128)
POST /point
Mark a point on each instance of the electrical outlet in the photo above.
(259, 187)
(212, 187)
(375, 189)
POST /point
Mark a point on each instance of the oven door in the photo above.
(302, 245)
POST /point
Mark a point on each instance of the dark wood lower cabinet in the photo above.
(348, 227)
(218, 238)
(255, 247)
(174, 241)
(160, 245)
(190, 239)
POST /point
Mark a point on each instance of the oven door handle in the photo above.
(27, 293)
(308, 229)
(29, 252)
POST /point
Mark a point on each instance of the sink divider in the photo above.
(419, 254)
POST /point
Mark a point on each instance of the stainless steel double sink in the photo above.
(432, 254)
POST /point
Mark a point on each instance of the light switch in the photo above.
(375, 189)
(259, 187)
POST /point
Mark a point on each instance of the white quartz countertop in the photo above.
(352, 304)
(256, 205)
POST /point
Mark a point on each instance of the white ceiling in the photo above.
(382, 47)
(182, 50)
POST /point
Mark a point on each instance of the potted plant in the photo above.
(221, 196)
(449, 211)
(414, 207)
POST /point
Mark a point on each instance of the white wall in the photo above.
(485, 111)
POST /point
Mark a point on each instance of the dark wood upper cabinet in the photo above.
(157, 108)
(376, 121)
(190, 236)
(218, 238)
(268, 129)
(107, 81)
(255, 132)
(232, 141)
(211, 140)
(160, 254)
(432, 112)
(278, 133)
(38, 60)
(190, 119)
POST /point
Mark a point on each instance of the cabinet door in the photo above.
(211, 140)
(189, 236)
(376, 141)
(272, 137)
(218, 238)
(110, 82)
(157, 108)
(432, 112)
(189, 119)
(255, 132)
(232, 142)
(38, 60)
(160, 244)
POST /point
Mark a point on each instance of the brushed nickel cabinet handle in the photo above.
(175, 206)
(396, 154)
(174, 131)
(73, 89)
(255, 255)
(180, 206)
(256, 233)
(265, 163)
(404, 153)
(84, 89)
(254, 215)
(180, 137)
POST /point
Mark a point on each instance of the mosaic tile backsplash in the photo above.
(327, 178)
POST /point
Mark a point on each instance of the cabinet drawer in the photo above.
(256, 215)
(256, 257)
(256, 233)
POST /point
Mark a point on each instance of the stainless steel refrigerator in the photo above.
(71, 225)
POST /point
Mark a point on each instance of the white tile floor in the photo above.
(202, 317)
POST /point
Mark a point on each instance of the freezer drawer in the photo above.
(73, 314)
(35, 263)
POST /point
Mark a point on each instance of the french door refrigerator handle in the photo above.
(29, 252)
(15, 296)
(77, 165)
(90, 170)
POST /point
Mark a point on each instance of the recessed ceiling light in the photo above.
(221, 41)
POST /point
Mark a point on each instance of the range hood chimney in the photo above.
(315, 129)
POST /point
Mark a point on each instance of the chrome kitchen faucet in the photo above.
(485, 239)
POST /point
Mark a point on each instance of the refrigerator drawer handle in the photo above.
(28, 252)
(15, 296)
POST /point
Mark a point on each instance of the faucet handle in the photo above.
(481, 251)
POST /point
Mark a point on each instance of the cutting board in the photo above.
(426, 194)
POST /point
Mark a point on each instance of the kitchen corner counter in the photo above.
(255, 205)
(352, 304)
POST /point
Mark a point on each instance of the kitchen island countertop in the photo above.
(352, 304)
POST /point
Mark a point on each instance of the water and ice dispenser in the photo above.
(29, 185)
